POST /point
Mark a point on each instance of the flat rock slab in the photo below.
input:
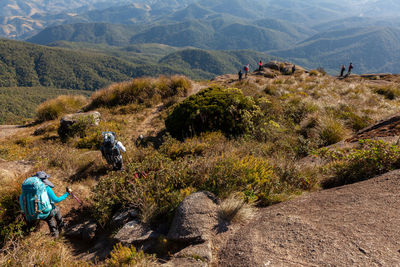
(195, 218)
(353, 225)
(201, 252)
(135, 233)
(185, 262)
(85, 231)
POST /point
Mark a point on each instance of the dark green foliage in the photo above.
(213, 109)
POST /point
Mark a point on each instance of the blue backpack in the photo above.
(34, 201)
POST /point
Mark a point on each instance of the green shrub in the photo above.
(390, 92)
(212, 109)
(128, 256)
(251, 175)
(79, 128)
(155, 194)
(55, 108)
(92, 138)
(371, 159)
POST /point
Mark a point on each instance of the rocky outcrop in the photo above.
(67, 122)
(136, 233)
(282, 67)
(195, 218)
(121, 218)
(85, 231)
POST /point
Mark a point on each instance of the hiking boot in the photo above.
(61, 227)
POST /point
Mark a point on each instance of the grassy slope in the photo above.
(297, 98)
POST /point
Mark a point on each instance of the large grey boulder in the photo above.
(67, 122)
(195, 218)
(135, 233)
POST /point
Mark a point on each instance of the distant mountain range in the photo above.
(91, 68)
(371, 49)
(313, 33)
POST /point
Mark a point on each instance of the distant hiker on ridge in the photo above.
(293, 69)
(246, 70)
(260, 66)
(240, 74)
(350, 69)
(37, 202)
(343, 68)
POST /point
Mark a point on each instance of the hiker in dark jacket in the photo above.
(350, 69)
(343, 68)
(111, 150)
(293, 69)
(54, 220)
(240, 74)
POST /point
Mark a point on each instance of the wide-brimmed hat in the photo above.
(45, 178)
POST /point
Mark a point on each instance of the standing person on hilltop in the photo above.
(350, 69)
(246, 70)
(260, 66)
(37, 202)
(343, 68)
(240, 74)
(293, 68)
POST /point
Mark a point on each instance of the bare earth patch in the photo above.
(354, 225)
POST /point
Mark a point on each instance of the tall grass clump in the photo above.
(331, 131)
(12, 223)
(235, 209)
(39, 249)
(146, 91)
(55, 108)
(370, 159)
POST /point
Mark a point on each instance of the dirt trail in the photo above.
(9, 130)
(354, 225)
(146, 127)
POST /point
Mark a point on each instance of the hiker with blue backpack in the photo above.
(111, 150)
(37, 202)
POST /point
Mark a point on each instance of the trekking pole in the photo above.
(73, 195)
(77, 199)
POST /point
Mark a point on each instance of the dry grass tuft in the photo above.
(38, 250)
(54, 108)
(142, 91)
(235, 209)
